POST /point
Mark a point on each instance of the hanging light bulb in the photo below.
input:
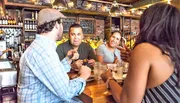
(62, 4)
(169, 1)
(59, 5)
(89, 5)
(114, 10)
(70, 4)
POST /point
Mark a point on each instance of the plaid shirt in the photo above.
(1, 52)
(43, 78)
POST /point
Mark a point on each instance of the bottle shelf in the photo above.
(11, 26)
(30, 30)
(28, 19)
(21, 5)
(28, 41)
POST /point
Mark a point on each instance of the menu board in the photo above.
(88, 26)
(67, 23)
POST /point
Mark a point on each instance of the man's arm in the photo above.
(63, 58)
(60, 51)
(91, 52)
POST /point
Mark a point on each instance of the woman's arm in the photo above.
(112, 84)
(100, 59)
(136, 81)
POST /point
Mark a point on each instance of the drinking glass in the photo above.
(102, 69)
(96, 69)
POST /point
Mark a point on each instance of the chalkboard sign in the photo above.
(88, 26)
(67, 23)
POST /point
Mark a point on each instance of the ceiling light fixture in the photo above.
(62, 5)
(169, 1)
(114, 10)
(70, 4)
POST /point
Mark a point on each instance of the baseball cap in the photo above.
(48, 15)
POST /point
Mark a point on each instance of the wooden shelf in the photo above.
(28, 19)
(30, 30)
(79, 11)
(28, 41)
(13, 4)
(132, 16)
(11, 26)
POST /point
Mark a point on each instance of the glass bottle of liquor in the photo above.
(25, 25)
(30, 25)
(36, 15)
(20, 21)
(34, 25)
(6, 20)
(9, 20)
(32, 15)
(1, 20)
(14, 21)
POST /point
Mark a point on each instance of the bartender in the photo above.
(4, 51)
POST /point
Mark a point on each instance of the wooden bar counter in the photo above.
(96, 92)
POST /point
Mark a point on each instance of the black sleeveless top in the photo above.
(168, 92)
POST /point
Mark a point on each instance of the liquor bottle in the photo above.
(32, 15)
(30, 25)
(33, 25)
(20, 23)
(1, 20)
(14, 21)
(36, 15)
(9, 20)
(25, 25)
(6, 20)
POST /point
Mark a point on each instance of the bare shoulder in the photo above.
(146, 49)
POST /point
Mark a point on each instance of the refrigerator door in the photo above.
(8, 74)
(8, 78)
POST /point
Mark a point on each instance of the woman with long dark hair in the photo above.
(154, 67)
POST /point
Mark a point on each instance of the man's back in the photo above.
(31, 89)
(44, 77)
